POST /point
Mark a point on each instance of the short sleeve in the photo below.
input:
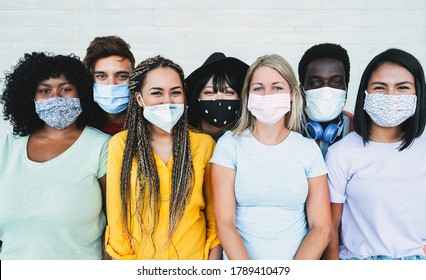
(337, 179)
(317, 166)
(225, 153)
(103, 160)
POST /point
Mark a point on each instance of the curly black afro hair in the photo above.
(325, 50)
(21, 83)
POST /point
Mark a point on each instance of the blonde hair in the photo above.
(294, 118)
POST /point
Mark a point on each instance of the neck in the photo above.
(210, 129)
(51, 133)
(156, 134)
(385, 134)
(117, 118)
(270, 134)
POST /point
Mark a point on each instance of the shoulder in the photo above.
(201, 140)
(348, 114)
(347, 144)
(119, 138)
(296, 137)
(11, 139)
(96, 134)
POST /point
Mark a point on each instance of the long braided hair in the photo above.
(138, 148)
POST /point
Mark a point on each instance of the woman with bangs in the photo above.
(213, 94)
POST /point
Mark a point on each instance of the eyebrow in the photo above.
(61, 84)
(385, 84)
(118, 72)
(274, 83)
(159, 88)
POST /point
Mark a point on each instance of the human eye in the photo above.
(43, 90)
(176, 93)
(123, 77)
(278, 88)
(313, 83)
(336, 82)
(378, 88)
(100, 76)
(208, 92)
(230, 92)
(156, 93)
(257, 88)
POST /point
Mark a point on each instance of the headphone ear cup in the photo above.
(314, 130)
(330, 133)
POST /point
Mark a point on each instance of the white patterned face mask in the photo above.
(58, 112)
(389, 110)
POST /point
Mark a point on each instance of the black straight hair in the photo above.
(414, 126)
(220, 79)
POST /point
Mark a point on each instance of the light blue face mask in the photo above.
(113, 99)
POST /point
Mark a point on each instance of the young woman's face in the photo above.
(162, 86)
(207, 93)
(55, 87)
(268, 81)
(393, 79)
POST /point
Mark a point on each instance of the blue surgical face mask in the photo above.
(58, 112)
(113, 99)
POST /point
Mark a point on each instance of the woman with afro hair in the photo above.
(53, 165)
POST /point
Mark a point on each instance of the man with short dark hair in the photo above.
(324, 78)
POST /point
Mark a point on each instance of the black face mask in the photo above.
(219, 112)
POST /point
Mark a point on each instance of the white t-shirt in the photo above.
(383, 191)
(271, 187)
(52, 209)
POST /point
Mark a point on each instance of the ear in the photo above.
(138, 97)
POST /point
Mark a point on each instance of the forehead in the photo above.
(389, 71)
(162, 77)
(266, 74)
(325, 67)
(112, 63)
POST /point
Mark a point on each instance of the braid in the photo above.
(138, 148)
(182, 181)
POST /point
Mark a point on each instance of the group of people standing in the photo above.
(109, 159)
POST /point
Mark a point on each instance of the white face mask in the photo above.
(164, 116)
(269, 108)
(324, 104)
(387, 110)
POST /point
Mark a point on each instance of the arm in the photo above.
(319, 219)
(116, 242)
(332, 250)
(215, 252)
(224, 211)
(102, 183)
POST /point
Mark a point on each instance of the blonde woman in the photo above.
(159, 202)
(269, 183)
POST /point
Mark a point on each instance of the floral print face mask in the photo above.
(389, 110)
(58, 112)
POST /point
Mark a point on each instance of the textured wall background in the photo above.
(188, 31)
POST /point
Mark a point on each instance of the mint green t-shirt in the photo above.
(53, 209)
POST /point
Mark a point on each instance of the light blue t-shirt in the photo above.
(53, 209)
(271, 188)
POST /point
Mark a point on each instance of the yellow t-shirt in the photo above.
(195, 234)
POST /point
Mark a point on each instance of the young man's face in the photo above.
(112, 70)
(325, 72)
